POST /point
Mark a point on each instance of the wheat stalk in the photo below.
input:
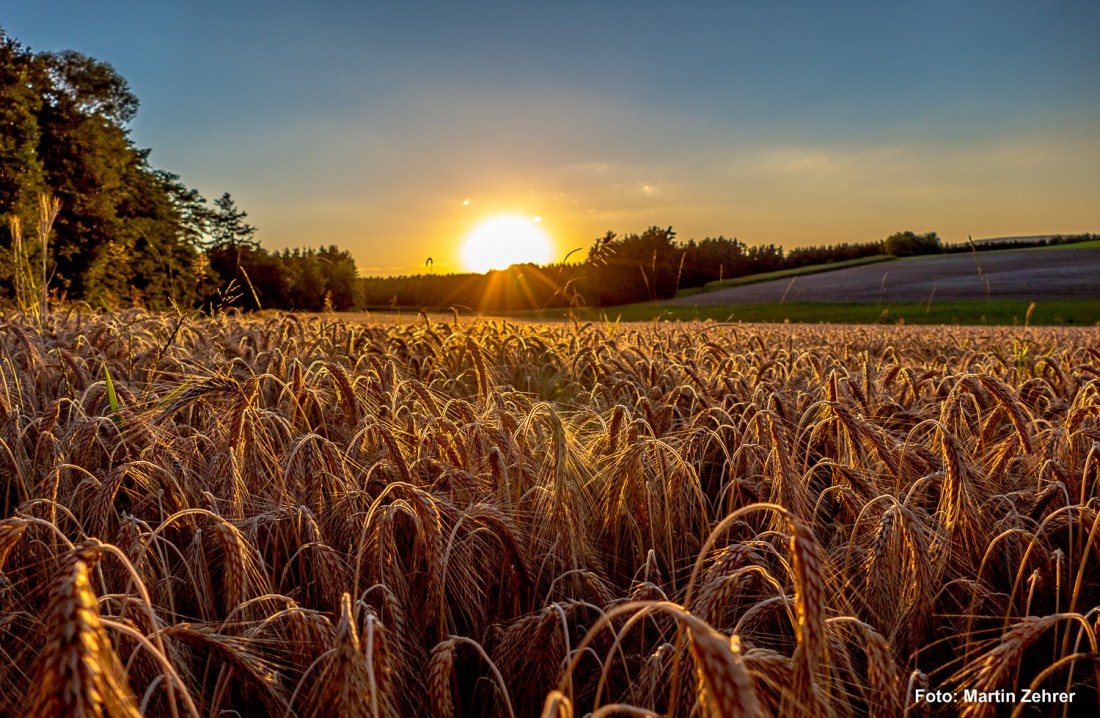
(78, 673)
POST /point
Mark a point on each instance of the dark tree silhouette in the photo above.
(227, 228)
(905, 244)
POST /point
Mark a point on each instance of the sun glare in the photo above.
(500, 242)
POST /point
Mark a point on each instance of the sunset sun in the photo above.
(499, 242)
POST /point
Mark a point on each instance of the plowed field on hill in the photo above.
(1023, 274)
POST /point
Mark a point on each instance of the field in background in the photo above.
(295, 516)
(1020, 274)
(784, 274)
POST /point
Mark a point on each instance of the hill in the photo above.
(1017, 274)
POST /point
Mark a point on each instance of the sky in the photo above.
(392, 129)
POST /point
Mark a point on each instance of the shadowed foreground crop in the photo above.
(290, 516)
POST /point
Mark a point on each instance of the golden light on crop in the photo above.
(501, 241)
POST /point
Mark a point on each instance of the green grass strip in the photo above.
(1009, 312)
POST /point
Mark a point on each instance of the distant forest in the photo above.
(617, 270)
(641, 267)
(91, 219)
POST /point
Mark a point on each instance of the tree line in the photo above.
(645, 266)
(127, 232)
(620, 269)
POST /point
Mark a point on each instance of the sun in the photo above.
(501, 241)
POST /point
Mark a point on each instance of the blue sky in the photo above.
(369, 125)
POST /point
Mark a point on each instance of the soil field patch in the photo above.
(1017, 274)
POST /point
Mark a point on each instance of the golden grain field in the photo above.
(301, 516)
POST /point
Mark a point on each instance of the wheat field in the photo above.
(308, 516)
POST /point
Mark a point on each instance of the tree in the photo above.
(153, 257)
(305, 279)
(191, 208)
(125, 231)
(22, 177)
(905, 244)
(632, 268)
(227, 227)
(341, 278)
(129, 232)
(119, 236)
(92, 86)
